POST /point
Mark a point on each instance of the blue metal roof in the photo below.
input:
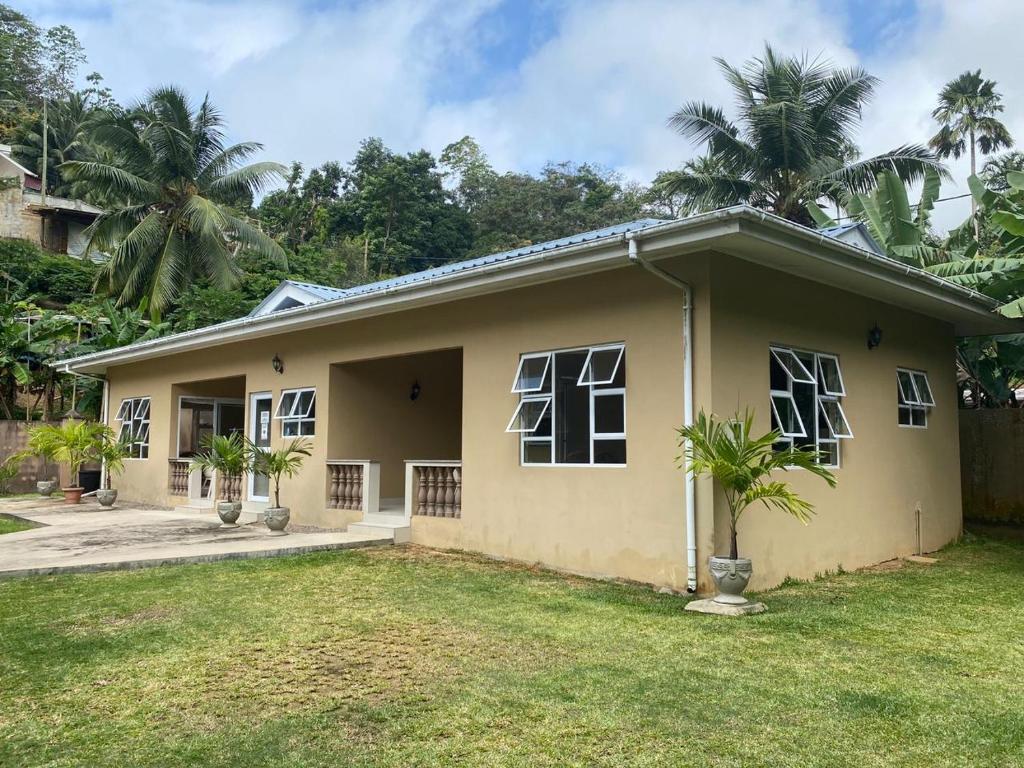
(838, 229)
(326, 293)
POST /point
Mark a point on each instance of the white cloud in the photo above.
(311, 82)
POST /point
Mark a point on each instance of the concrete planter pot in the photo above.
(46, 487)
(228, 511)
(731, 578)
(106, 496)
(277, 519)
(73, 495)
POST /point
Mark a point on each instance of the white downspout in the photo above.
(691, 512)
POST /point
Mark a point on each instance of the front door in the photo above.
(259, 433)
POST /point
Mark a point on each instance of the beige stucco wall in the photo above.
(887, 471)
(625, 522)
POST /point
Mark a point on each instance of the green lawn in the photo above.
(403, 657)
(12, 525)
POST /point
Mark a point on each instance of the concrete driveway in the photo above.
(91, 538)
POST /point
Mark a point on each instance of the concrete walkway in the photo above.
(90, 538)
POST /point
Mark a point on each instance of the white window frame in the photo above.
(293, 416)
(821, 396)
(913, 403)
(516, 388)
(129, 414)
(585, 371)
(526, 438)
(546, 399)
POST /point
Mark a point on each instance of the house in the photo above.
(56, 223)
(525, 404)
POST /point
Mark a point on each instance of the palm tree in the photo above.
(966, 112)
(173, 178)
(743, 467)
(793, 143)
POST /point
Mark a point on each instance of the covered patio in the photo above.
(394, 437)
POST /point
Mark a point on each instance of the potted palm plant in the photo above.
(228, 457)
(112, 452)
(744, 467)
(73, 443)
(39, 445)
(275, 464)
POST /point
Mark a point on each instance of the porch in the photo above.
(385, 411)
(393, 409)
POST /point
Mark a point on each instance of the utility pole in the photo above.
(46, 138)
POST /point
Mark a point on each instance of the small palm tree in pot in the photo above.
(112, 452)
(73, 443)
(229, 457)
(275, 464)
(743, 467)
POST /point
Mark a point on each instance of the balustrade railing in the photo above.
(353, 485)
(178, 477)
(231, 487)
(434, 488)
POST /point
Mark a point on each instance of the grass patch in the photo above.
(13, 524)
(403, 657)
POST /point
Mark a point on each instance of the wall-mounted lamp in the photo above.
(874, 337)
(278, 364)
(414, 391)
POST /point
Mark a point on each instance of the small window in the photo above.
(529, 414)
(134, 417)
(601, 365)
(532, 373)
(792, 365)
(572, 406)
(829, 375)
(787, 416)
(914, 398)
(297, 412)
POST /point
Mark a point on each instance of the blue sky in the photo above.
(540, 81)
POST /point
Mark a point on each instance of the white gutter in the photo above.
(633, 239)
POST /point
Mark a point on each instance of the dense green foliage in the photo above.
(401, 657)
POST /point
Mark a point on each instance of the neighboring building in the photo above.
(57, 226)
(525, 404)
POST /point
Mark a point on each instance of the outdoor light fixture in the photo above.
(874, 337)
(278, 364)
(414, 392)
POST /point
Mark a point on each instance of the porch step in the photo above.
(399, 532)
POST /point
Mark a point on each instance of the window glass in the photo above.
(134, 416)
(532, 373)
(787, 417)
(536, 451)
(572, 410)
(297, 412)
(830, 378)
(528, 414)
(792, 365)
(834, 418)
(609, 451)
(601, 365)
(914, 398)
(924, 390)
(609, 413)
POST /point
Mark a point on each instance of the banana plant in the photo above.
(899, 229)
(998, 270)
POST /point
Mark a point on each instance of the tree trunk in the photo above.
(733, 549)
(974, 203)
